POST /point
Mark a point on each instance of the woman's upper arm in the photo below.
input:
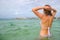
(53, 12)
(40, 15)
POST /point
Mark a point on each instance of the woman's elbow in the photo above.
(33, 10)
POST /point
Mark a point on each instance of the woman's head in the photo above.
(47, 10)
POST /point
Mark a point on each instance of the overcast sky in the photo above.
(23, 8)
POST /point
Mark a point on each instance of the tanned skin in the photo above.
(46, 20)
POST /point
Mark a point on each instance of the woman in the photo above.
(46, 19)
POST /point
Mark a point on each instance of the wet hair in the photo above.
(47, 12)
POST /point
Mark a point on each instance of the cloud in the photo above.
(13, 8)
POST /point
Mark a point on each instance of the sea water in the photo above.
(26, 29)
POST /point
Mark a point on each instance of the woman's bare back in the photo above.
(47, 21)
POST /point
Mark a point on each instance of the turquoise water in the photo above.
(26, 30)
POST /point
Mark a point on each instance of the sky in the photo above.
(23, 8)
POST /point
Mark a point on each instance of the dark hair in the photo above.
(48, 5)
(47, 12)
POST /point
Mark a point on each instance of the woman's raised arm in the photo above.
(35, 10)
(53, 12)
